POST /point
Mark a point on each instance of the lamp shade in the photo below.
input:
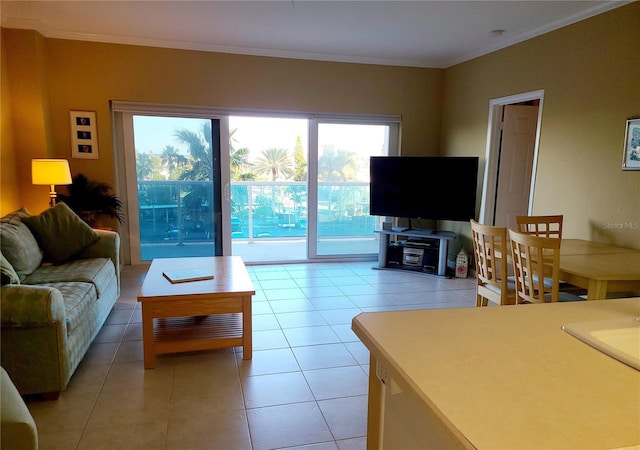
(50, 171)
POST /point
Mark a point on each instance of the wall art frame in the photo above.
(631, 154)
(84, 135)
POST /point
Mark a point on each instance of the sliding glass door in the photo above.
(267, 187)
(271, 187)
(175, 206)
(268, 166)
(344, 226)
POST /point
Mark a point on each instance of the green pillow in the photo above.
(61, 233)
(18, 244)
(7, 273)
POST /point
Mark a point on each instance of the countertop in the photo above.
(509, 377)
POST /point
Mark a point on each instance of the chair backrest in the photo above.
(490, 248)
(547, 226)
(536, 266)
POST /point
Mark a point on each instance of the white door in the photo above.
(516, 163)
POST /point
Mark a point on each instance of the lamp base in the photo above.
(53, 195)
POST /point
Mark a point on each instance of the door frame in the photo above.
(122, 113)
(494, 132)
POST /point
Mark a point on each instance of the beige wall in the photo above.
(8, 181)
(86, 76)
(590, 74)
(24, 117)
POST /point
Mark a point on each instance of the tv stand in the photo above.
(413, 230)
(426, 245)
(420, 231)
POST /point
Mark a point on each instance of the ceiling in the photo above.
(435, 34)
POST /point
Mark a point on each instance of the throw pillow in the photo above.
(61, 233)
(18, 244)
(7, 274)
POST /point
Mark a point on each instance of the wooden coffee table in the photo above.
(196, 315)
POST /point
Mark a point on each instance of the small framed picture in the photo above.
(631, 155)
(84, 137)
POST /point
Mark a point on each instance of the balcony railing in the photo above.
(182, 210)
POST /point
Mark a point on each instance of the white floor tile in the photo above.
(304, 388)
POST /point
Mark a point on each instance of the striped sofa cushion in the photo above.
(98, 271)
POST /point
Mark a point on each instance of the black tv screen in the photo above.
(425, 187)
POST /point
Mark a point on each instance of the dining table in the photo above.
(585, 247)
(600, 268)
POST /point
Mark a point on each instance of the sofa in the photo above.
(60, 280)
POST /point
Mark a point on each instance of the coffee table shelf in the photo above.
(198, 315)
(197, 333)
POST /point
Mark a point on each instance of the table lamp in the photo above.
(50, 172)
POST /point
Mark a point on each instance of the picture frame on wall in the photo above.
(84, 135)
(631, 155)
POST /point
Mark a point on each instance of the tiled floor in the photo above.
(306, 385)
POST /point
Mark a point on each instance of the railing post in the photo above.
(250, 215)
(179, 216)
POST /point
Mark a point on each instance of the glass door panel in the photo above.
(344, 226)
(178, 186)
(296, 188)
(268, 164)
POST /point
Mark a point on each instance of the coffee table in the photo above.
(196, 315)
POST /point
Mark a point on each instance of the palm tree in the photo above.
(274, 162)
(172, 159)
(144, 165)
(238, 160)
(338, 165)
(200, 149)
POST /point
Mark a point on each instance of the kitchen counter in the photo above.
(501, 377)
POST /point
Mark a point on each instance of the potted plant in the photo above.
(92, 199)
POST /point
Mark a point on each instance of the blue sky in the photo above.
(260, 133)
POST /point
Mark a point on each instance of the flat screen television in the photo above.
(423, 187)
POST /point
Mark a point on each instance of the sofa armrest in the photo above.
(108, 246)
(18, 428)
(24, 305)
(34, 339)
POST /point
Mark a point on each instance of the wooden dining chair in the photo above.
(490, 248)
(551, 227)
(536, 267)
(547, 226)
